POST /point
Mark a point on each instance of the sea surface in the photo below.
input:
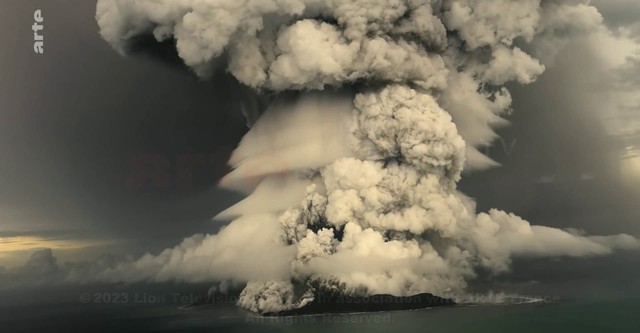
(604, 315)
(598, 294)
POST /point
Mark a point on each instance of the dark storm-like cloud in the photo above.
(621, 14)
(74, 121)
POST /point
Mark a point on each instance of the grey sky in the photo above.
(75, 118)
(620, 13)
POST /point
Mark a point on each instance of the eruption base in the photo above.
(374, 303)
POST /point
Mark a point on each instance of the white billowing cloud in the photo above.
(401, 199)
(512, 65)
(271, 296)
(365, 257)
(488, 23)
(202, 29)
(404, 232)
(311, 51)
(498, 236)
(247, 249)
(561, 22)
(399, 121)
(380, 106)
(273, 194)
(292, 135)
(315, 54)
(265, 51)
(570, 17)
(476, 113)
(289, 44)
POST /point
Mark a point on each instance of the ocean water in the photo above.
(599, 294)
(606, 315)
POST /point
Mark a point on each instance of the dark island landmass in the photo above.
(336, 303)
(373, 303)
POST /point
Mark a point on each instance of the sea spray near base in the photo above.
(325, 304)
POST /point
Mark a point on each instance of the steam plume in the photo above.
(380, 106)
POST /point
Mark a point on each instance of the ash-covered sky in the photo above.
(74, 120)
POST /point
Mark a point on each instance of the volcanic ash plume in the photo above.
(378, 107)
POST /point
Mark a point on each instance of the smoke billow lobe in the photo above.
(353, 176)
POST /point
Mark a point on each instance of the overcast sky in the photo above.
(74, 121)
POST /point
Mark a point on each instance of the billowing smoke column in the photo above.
(353, 168)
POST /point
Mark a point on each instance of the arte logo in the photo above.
(38, 38)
